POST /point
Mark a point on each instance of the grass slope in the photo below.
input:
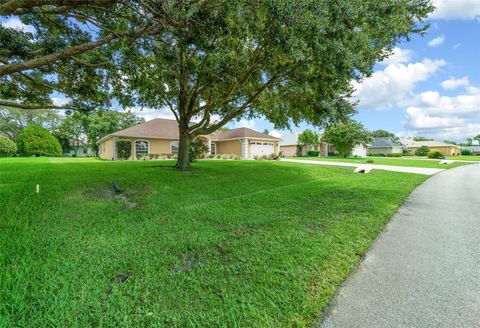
(241, 243)
(386, 161)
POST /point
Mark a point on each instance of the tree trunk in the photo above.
(183, 160)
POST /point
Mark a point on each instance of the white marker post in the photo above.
(37, 188)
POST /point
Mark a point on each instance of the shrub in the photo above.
(466, 152)
(313, 153)
(377, 154)
(422, 151)
(332, 153)
(7, 147)
(123, 148)
(224, 156)
(395, 155)
(198, 148)
(37, 141)
(370, 161)
(407, 152)
(436, 155)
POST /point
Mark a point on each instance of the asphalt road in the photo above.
(424, 270)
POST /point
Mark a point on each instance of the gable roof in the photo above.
(384, 142)
(160, 128)
(240, 133)
(429, 143)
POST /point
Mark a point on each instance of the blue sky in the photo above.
(430, 86)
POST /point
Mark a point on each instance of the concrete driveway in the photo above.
(424, 270)
(404, 169)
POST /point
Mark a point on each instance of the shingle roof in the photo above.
(384, 142)
(239, 134)
(160, 128)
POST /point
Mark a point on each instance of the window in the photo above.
(141, 148)
(213, 148)
(174, 147)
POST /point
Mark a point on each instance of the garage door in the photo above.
(261, 148)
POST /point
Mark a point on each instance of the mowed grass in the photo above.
(238, 244)
(411, 162)
(474, 158)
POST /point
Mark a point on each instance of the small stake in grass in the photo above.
(37, 189)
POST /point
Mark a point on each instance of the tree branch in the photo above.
(12, 104)
(15, 7)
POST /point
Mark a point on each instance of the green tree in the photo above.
(477, 138)
(7, 147)
(198, 148)
(422, 139)
(422, 151)
(37, 141)
(289, 61)
(469, 141)
(13, 120)
(345, 136)
(71, 133)
(383, 134)
(308, 140)
(449, 142)
(100, 123)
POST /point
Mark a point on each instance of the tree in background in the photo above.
(71, 134)
(100, 123)
(477, 138)
(7, 147)
(308, 140)
(289, 61)
(422, 139)
(383, 134)
(469, 142)
(37, 141)
(345, 136)
(14, 120)
(450, 142)
(422, 151)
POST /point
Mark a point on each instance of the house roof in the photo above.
(160, 128)
(240, 133)
(431, 143)
(384, 142)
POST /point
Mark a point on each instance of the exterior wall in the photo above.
(445, 150)
(359, 151)
(106, 149)
(159, 146)
(289, 150)
(229, 147)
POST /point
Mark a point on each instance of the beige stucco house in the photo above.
(444, 148)
(160, 136)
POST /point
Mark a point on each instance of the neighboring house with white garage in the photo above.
(474, 149)
(160, 136)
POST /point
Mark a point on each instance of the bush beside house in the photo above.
(422, 151)
(436, 155)
(7, 147)
(37, 141)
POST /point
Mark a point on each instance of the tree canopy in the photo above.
(207, 61)
(288, 61)
(345, 136)
(383, 134)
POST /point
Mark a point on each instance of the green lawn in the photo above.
(386, 161)
(465, 157)
(240, 243)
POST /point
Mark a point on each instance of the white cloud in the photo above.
(150, 113)
(456, 9)
(386, 87)
(452, 83)
(244, 123)
(436, 42)
(398, 56)
(59, 101)
(417, 118)
(275, 133)
(456, 45)
(16, 24)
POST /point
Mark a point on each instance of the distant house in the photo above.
(160, 136)
(444, 148)
(384, 146)
(474, 149)
(290, 147)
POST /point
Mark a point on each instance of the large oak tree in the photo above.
(288, 61)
